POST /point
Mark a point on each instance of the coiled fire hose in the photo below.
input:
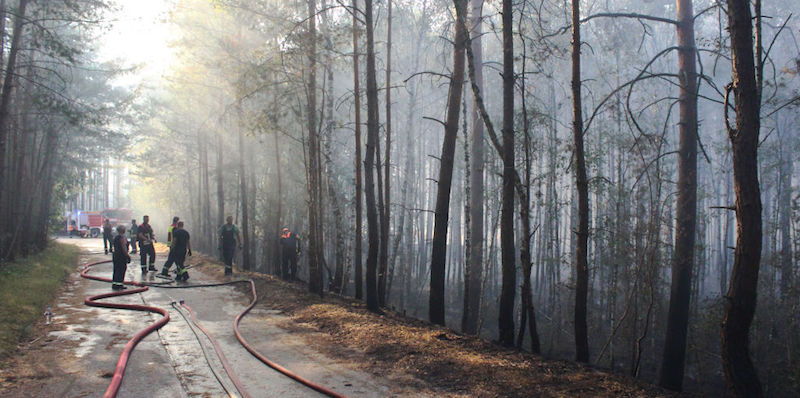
(119, 371)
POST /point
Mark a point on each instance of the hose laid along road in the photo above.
(119, 371)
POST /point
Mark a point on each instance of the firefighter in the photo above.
(107, 236)
(134, 231)
(229, 239)
(120, 258)
(170, 258)
(146, 239)
(180, 245)
(290, 248)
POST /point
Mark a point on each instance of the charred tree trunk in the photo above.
(359, 282)
(436, 309)
(740, 304)
(369, 164)
(387, 179)
(581, 261)
(315, 261)
(508, 290)
(673, 360)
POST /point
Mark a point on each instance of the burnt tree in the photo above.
(581, 261)
(436, 309)
(673, 360)
(740, 304)
(369, 163)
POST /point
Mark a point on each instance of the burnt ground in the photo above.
(446, 362)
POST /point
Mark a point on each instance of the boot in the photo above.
(152, 268)
(144, 270)
(228, 271)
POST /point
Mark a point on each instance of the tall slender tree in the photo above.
(247, 264)
(673, 360)
(369, 164)
(436, 310)
(740, 373)
(359, 282)
(387, 179)
(508, 289)
(581, 247)
(474, 274)
(315, 260)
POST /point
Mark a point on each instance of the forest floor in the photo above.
(451, 364)
(334, 339)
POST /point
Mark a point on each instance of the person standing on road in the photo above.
(229, 239)
(120, 258)
(134, 231)
(290, 248)
(107, 236)
(170, 258)
(146, 239)
(180, 245)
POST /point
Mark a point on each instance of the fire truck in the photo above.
(90, 223)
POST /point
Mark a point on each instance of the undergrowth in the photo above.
(27, 286)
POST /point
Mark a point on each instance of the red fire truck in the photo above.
(90, 223)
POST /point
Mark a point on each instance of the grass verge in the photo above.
(27, 286)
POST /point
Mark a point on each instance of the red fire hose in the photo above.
(236, 382)
(269, 363)
(116, 380)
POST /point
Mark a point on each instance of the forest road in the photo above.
(76, 354)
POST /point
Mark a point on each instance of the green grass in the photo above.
(27, 287)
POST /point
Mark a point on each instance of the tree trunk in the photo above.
(278, 211)
(673, 360)
(472, 286)
(581, 261)
(359, 282)
(508, 290)
(205, 185)
(369, 164)
(786, 169)
(246, 264)
(220, 186)
(384, 249)
(436, 310)
(740, 305)
(315, 262)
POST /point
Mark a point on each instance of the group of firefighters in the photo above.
(142, 239)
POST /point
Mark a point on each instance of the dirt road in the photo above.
(75, 355)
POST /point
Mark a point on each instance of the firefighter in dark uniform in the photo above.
(180, 244)
(290, 248)
(120, 258)
(229, 239)
(107, 236)
(170, 239)
(146, 239)
(134, 231)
